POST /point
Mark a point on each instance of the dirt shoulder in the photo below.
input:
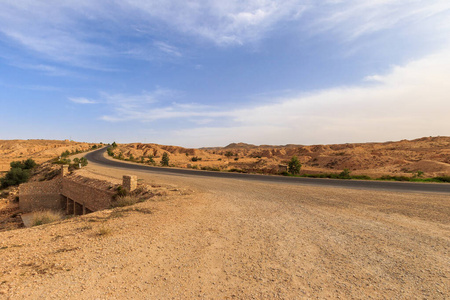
(235, 239)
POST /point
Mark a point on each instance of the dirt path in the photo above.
(235, 239)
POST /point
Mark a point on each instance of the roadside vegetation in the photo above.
(45, 217)
(76, 163)
(293, 168)
(19, 172)
(126, 200)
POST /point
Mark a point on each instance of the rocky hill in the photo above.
(430, 155)
(39, 150)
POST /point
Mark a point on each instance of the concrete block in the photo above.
(64, 170)
(129, 182)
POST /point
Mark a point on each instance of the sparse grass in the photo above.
(103, 231)
(237, 170)
(139, 209)
(45, 217)
(122, 201)
(62, 250)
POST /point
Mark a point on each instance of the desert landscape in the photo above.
(38, 150)
(430, 155)
(210, 238)
(240, 149)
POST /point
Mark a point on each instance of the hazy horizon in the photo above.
(222, 146)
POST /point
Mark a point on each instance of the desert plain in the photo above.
(209, 238)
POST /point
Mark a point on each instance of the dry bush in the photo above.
(102, 231)
(45, 217)
(122, 201)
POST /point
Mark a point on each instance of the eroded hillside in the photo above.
(39, 150)
(430, 155)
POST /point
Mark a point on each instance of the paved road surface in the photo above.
(98, 157)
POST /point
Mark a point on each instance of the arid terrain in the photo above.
(430, 155)
(226, 238)
(39, 150)
(209, 238)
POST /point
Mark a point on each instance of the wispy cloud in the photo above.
(79, 32)
(169, 49)
(222, 22)
(82, 101)
(352, 18)
(156, 105)
(410, 101)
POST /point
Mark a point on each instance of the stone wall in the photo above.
(66, 194)
(41, 195)
(90, 197)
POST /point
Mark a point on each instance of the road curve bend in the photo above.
(99, 158)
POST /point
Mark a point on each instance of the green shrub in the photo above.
(195, 158)
(121, 192)
(237, 170)
(165, 159)
(19, 173)
(294, 165)
(110, 151)
(442, 178)
(345, 174)
(211, 169)
(362, 177)
(83, 161)
(394, 178)
(15, 176)
(25, 164)
(151, 160)
(65, 153)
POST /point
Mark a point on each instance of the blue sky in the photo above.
(208, 73)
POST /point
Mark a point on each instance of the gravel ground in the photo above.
(234, 239)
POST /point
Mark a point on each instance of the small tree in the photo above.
(165, 159)
(294, 165)
(345, 174)
(114, 145)
(65, 153)
(15, 176)
(83, 161)
(110, 152)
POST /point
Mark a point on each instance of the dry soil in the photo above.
(228, 239)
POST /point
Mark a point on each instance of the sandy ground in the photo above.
(235, 239)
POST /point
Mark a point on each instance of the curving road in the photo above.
(98, 157)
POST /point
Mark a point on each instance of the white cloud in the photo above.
(353, 18)
(77, 32)
(82, 101)
(409, 102)
(169, 49)
(223, 22)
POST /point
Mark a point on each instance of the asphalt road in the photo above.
(97, 157)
